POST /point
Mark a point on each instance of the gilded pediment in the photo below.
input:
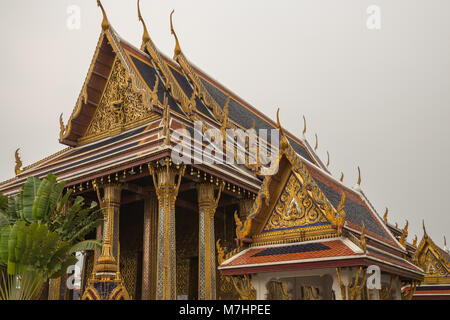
(121, 107)
(294, 208)
(432, 266)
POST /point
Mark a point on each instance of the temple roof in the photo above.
(316, 254)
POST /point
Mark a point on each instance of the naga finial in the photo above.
(317, 143)
(328, 159)
(342, 177)
(105, 22)
(359, 176)
(363, 238)
(340, 221)
(445, 244)
(145, 35)
(62, 128)
(17, 168)
(385, 216)
(404, 234)
(177, 50)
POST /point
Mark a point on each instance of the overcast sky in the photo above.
(379, 99)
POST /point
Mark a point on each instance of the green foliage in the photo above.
(39, 233)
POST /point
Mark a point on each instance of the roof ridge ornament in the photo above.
(385, 216)
(17, 168)
(357, 187)
(342, 177)
(62, 128)
(404, 234)
(424, 230)
(177, 49)
(304, 128)
(328, 159)
(145, 35)
(316, 146)
(105, 22)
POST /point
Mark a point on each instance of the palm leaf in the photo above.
(85, 245)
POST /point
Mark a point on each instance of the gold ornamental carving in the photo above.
(295, 208)
(121, 106)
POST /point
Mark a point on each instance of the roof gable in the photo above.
(433, 260)
(109, 53)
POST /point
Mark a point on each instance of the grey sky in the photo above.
(377, 99)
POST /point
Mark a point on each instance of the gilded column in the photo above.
(167, 191)
(106, 283)
(207, 205)
(149, 247)
(108, 261)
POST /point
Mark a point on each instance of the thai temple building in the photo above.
(250, 229)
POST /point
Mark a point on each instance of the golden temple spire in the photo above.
(105, 22)
(317, 143)
(385, 216)
(342, 177)
(145, 35)
(17, 168)
(177, 50)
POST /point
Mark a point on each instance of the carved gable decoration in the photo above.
(433, 266)
(121, 107)
(295, 208)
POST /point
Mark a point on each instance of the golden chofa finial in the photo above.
(385, 216)
(62, 128)
(145, 35)
(177, 50)
(415, 242)
(304, 127)
(328, 159)
(105, 23)
(404, 234)
(424, 229)
(342, 177)
(317, 143)
(17, 168)
(359, 176)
